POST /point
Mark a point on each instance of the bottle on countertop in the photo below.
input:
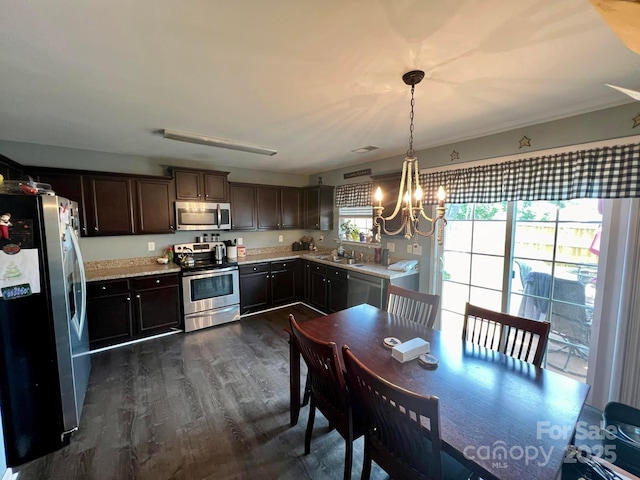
(205, 238)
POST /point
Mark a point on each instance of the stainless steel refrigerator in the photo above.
(44, 340)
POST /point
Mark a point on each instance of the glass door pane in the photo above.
(554, 273)
(472, 261)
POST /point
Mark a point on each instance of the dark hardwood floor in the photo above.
(211, 404)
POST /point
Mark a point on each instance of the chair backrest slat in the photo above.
(415, 306)
(517, 337)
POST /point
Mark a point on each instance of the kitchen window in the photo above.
(355, 223)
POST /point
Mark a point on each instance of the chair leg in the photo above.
(366, 463)
(348, 458)
(307, 437)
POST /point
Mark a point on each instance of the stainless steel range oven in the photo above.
(210, 286)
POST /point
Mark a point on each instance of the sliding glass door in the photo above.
(533, 259)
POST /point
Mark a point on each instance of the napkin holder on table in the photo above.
(410, 349)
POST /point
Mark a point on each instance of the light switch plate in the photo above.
(391, 246)
(280, 238)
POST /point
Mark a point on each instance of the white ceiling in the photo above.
(313, 80)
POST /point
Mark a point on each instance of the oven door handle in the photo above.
(208, 273)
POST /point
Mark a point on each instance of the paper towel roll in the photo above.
(232, 251)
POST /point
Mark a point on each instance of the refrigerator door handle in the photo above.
(83, 283)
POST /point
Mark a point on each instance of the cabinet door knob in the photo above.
(255, 268)
(103, 287)
(284, 264)
(158, 281)
(171, 227)
(95, 228)
(138, 296)
(128, 299)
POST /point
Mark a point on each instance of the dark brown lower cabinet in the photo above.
(157, 300)
(337, 289)
(284, 282)
(126, 309)
(318, 286)
(109, 313)
(254, 287)
(268, 284)
(327, 286)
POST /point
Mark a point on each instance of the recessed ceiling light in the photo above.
(365, 149)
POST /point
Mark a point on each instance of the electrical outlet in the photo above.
(239, 241)
(322, 238)
(391, 246)
(280, 238)
(416, 249)
(151, 246)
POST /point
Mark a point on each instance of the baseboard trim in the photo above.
(281, 306)
(10, 475)
(118, 345)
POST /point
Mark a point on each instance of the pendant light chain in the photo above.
(411, 152)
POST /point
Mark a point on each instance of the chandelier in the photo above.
(410, 193)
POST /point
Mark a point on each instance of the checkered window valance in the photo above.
(607, 172)
(354, 195)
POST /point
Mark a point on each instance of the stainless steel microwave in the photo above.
(203, 216)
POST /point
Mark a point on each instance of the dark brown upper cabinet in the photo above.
(154, 206)
(277, 207)
(109, 205)
(318, 207)
(243, 206)
(66, 183)
(201, 185)
(124, 205)
(291, 208)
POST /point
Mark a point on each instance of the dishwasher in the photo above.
(366, 289)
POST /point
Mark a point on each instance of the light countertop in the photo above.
(137, 267)
(367, 268)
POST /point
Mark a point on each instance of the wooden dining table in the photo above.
(504, 418)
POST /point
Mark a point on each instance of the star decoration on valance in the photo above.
(636, 121)
(525, 142)
(455, 156)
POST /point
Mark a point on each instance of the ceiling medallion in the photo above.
(455, 156)
(525, 142)
(636, 121)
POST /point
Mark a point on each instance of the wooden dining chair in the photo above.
(328, 391)
(402, 428)
(517, 337)
(411, 305)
